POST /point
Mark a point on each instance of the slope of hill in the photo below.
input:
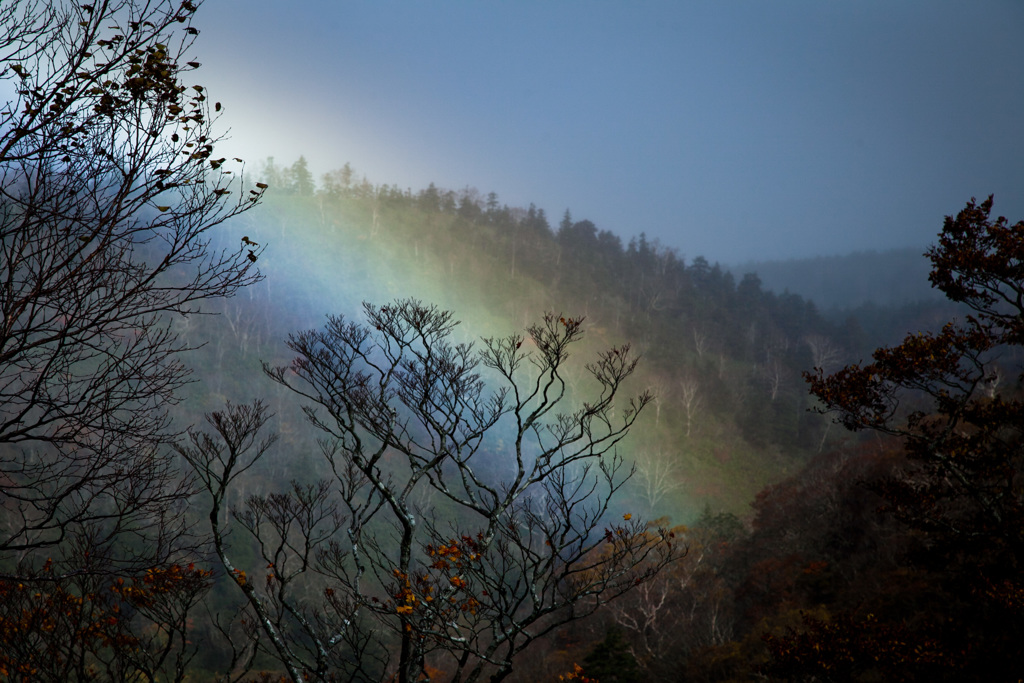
(724, 358)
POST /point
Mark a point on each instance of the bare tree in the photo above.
(702, 341)
(825, 353)
(689, 396)
(659, 388)
(682, 609)
(773, 372)
(518, 542)
(109, 189)
(657, 475)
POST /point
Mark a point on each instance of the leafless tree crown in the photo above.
(517, 541)
(109, 188)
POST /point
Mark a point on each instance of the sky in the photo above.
(737, 130)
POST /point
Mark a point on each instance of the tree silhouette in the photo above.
(516, 541)
(935, 391)
(109, 190)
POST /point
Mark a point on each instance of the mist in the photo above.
(746, 131)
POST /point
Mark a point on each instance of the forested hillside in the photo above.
(722, 358)
(320, 429)
(797, 530)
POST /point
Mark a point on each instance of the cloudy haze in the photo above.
(732, 129)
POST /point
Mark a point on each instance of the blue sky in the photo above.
(733, 129)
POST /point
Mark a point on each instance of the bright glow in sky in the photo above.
(733, 129)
